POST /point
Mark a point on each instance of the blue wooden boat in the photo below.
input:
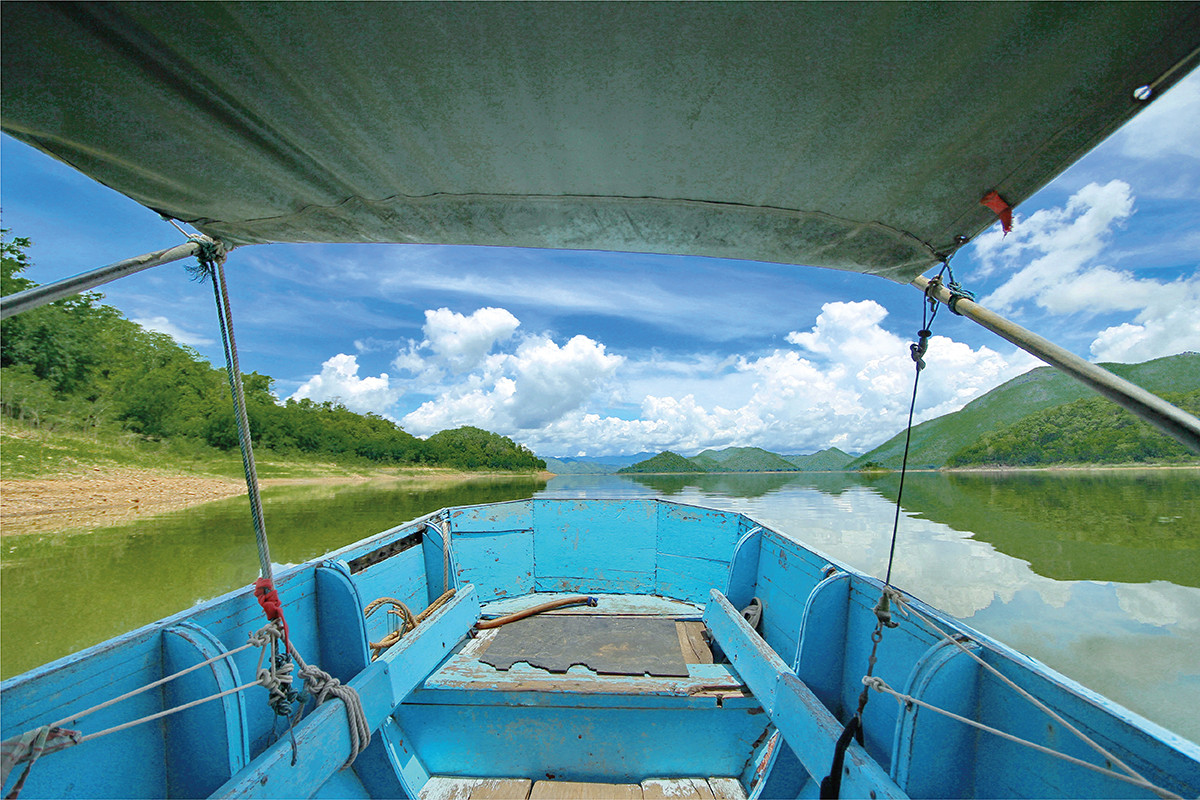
(690, 652)
(658, 687)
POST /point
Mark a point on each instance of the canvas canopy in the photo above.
(853, 136)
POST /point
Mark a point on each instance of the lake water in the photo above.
(1095, 574)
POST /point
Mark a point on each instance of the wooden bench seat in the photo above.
(442, 787)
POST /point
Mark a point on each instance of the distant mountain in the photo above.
(829, 460)
(936, 440)
(592, 465)
(742, 459)
(665, 462)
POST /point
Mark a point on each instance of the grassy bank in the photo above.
(29, 453)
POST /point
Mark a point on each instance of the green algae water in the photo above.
(1096, 574)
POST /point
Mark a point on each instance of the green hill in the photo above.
(664, 463)
(742, 459)
(936, 440)
(828, 460)
(1089, 431)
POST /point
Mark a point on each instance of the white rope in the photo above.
(168, 712)
(879, 685)
(149, 686)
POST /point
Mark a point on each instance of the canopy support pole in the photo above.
(48, 293)
(1175, 422)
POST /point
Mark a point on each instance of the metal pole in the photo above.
(48, 293)
(1175, 422)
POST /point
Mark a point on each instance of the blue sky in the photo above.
(585, 353)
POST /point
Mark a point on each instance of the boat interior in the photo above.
(648, 680)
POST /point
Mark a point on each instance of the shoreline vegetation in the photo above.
(53, 480)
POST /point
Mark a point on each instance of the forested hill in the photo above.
(1090, 431)
(665, 462)
(79, 364)
(1014, 409)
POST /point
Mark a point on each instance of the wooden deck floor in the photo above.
(442, 787)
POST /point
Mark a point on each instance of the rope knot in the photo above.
(883, 609)
(264, 636)
(918, 349)
(212, 251)
(277, 680)
(874, 682)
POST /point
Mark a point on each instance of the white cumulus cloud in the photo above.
(338, 380)
(845, 381)
(848, 383)
(532, 387)
(551, 380)
(461, 342)
(1051, 250)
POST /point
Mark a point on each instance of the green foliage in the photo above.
(1092, 431)
(665, 462)
(472, 448)
(78, 365)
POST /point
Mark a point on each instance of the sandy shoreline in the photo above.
(100, 498)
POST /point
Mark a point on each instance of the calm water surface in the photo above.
(1097, 574)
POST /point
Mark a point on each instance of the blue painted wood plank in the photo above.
(812, 732)
(390, 767)
(343, 783)
(515, 515)
(577, 549)
(755, 662)
(689, 578)
(403, 577)
(341, 628)
(899, 651)
(613, 581)
(463, 679)
(621, 604)
(439, 563)
(787, 574)
(821, 653)
(607, 744)
(947, 678)
(498, 564)
(742, 582)
(1161, 757)
(698, 532)
(806, 724)
(76, 683)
